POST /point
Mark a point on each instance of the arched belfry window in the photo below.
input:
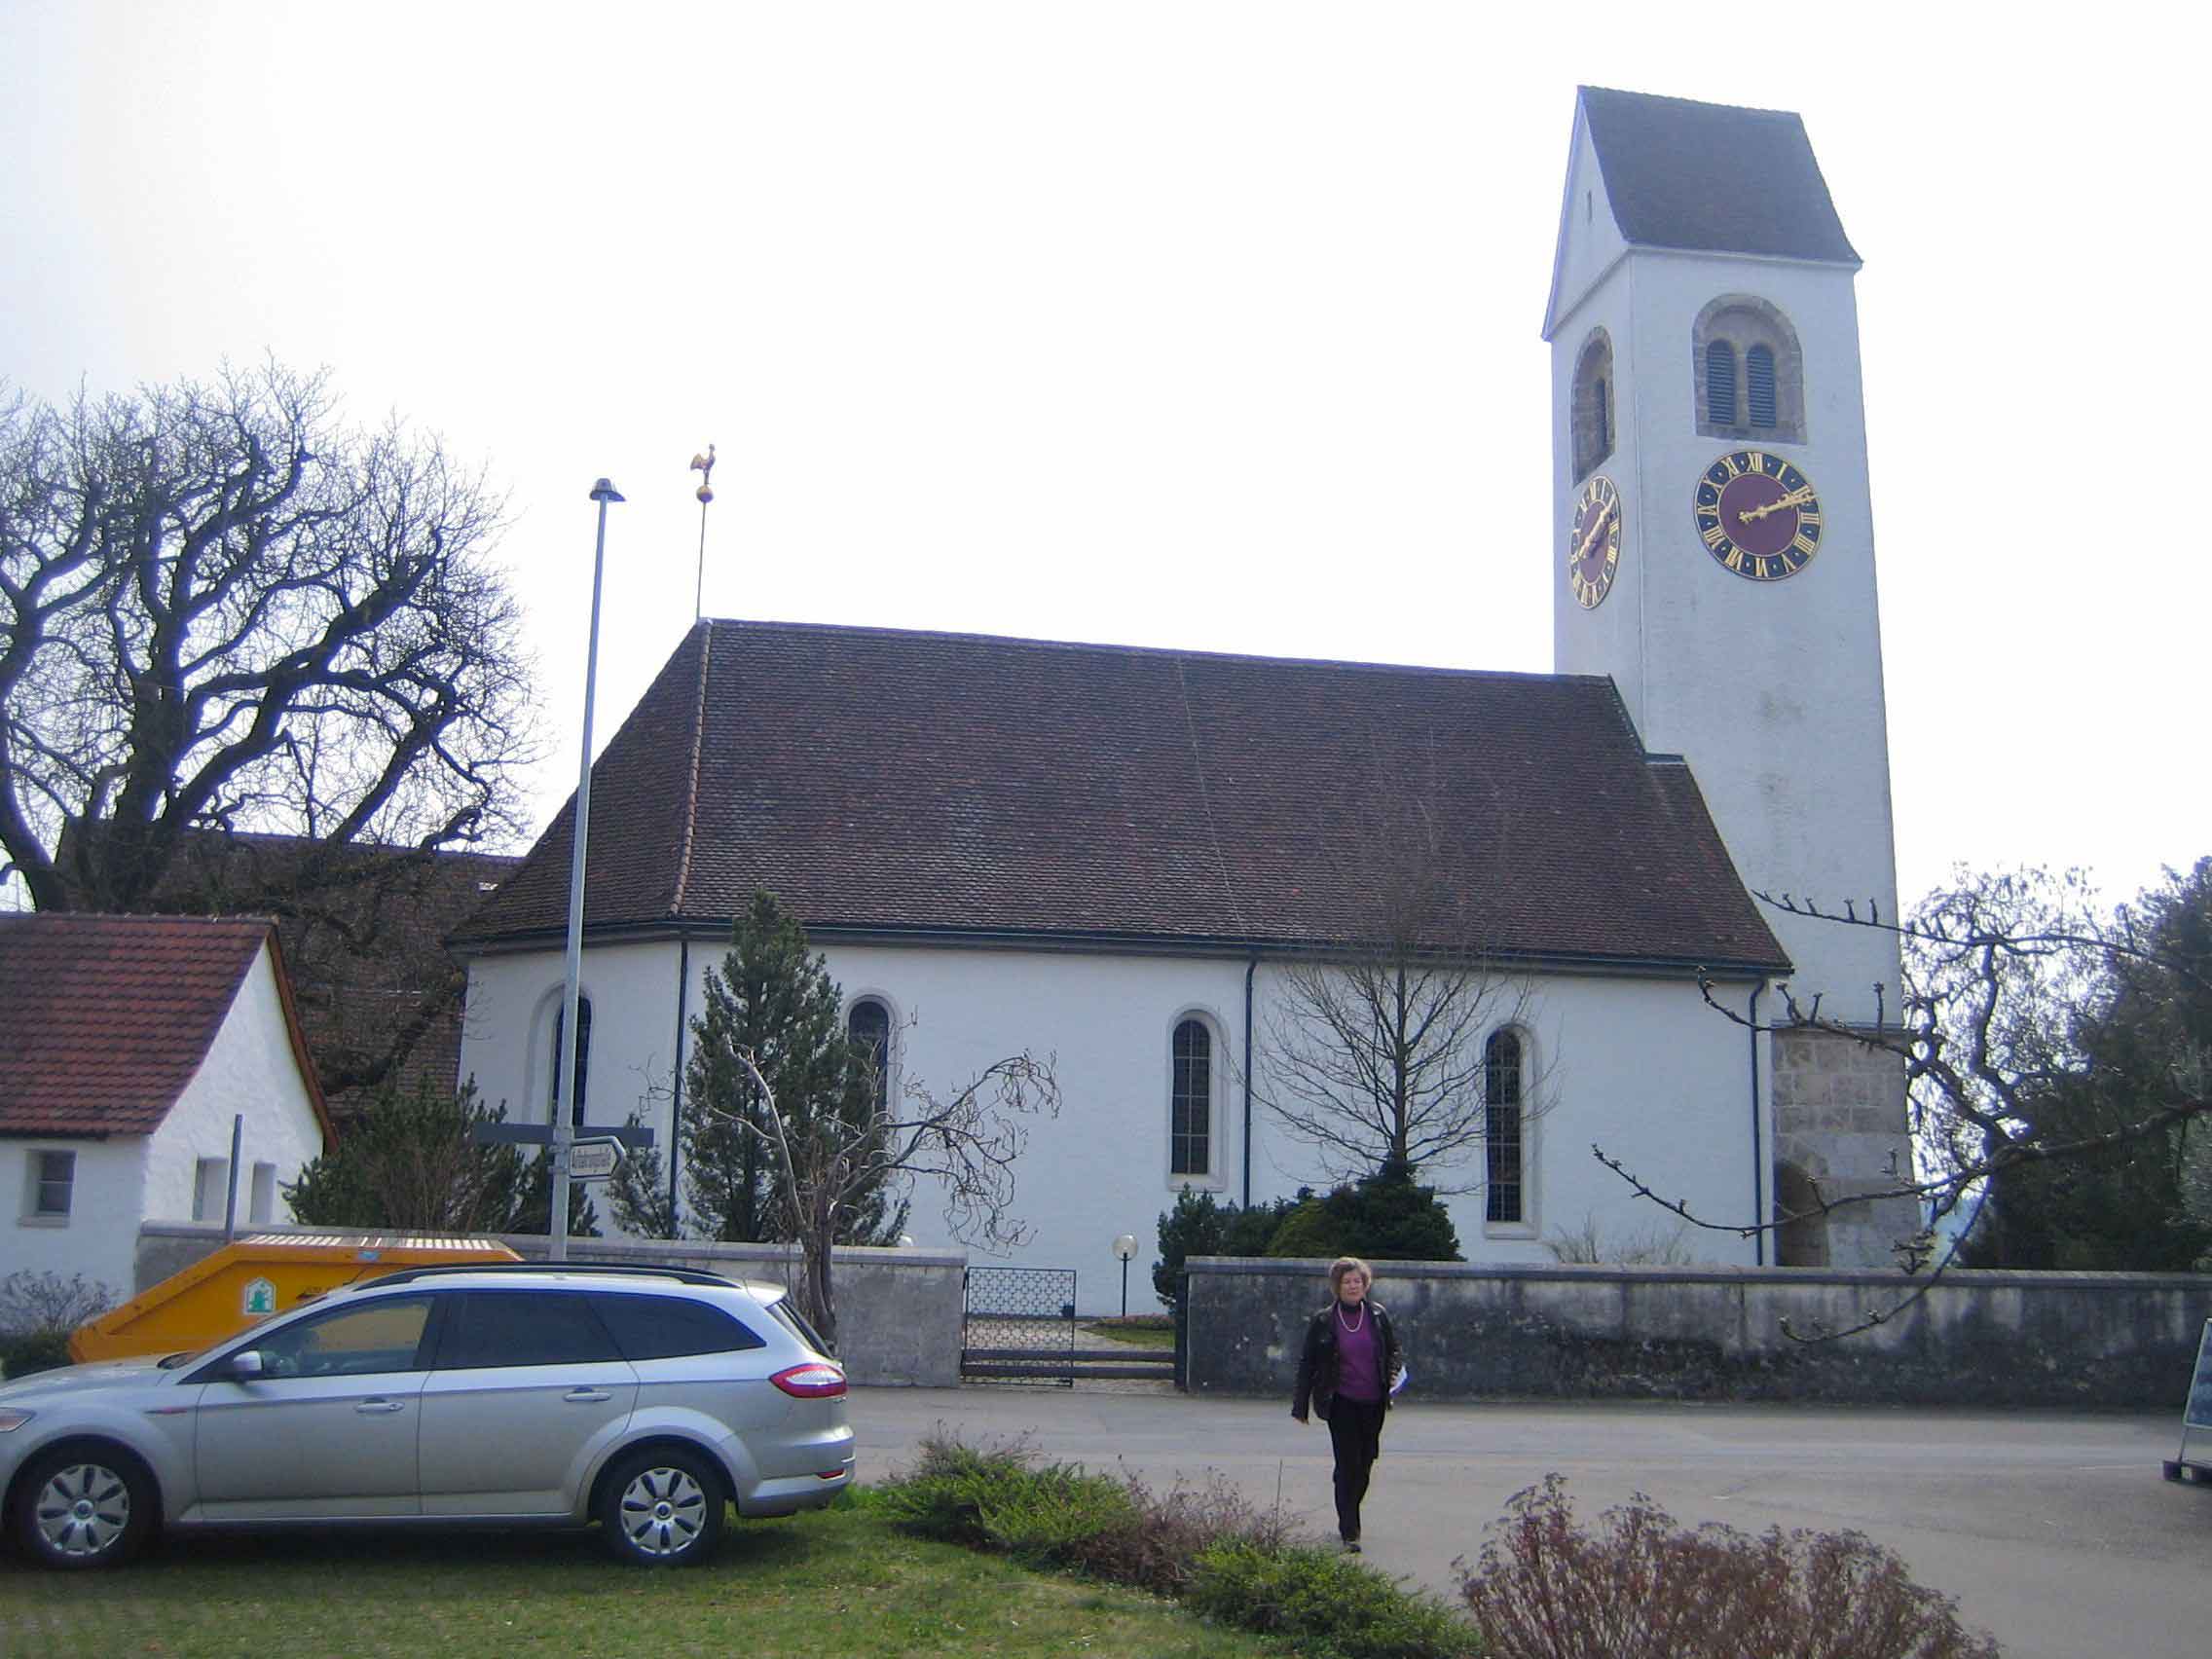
(1751, 374)
(1504, 1130)
(867, 1027)
(1591, 406)
(583, 1061)
(1190, 1101)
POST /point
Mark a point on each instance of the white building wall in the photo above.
(250, 1068)
(1772, 690)
(1641, 1067)
(99, 1235)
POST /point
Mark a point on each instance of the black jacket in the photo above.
(1317, 1365)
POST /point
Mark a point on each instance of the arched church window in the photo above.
(1750, 373)
(1504, 1150)
(869, 1029)
(1190, 1102)
(1720, 381)
(1591, 409)
(584, 1060)
(1758, 384)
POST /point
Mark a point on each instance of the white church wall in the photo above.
(1638, 1066)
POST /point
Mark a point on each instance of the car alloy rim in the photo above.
(83, 1510)
(663, 1511)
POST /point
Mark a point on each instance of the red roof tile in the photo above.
(890, 782)
(107, 1018)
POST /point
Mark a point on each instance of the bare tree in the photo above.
(2016, 990)
(968, 1143)
(1372, 1051)
(221, 609)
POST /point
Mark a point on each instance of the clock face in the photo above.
(1758, 515)
(1594, 541)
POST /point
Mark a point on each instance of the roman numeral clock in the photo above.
(1758, 515)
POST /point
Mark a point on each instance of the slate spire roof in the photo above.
(106, 1019)
(946, 786)
(1713, 177)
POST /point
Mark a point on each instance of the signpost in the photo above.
(594, 1160)
(2196, 1419)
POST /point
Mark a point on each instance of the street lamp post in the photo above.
(563, 1112)
(1125, 1247)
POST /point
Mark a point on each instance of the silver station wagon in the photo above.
(536, 1394)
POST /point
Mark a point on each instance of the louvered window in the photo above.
(1502, 1128)
(1758, 384)
(1601, 416)
(1189, 1111)
(1720, 383)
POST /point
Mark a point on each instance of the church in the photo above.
(1133, 861)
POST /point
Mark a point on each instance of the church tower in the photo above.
(1714, 553)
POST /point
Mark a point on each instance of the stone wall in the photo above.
(898, 1311)
(1840, 1126)
(2124, 1340)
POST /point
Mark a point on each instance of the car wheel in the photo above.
(85, 1507)
(663, 1507)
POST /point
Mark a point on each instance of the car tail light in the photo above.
(813, 1381)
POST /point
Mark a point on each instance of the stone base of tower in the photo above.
(1840, 1128)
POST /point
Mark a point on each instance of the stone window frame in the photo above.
(1213, 1175)
(887, 1076)
(1522, 1224)
(543, 1061)
(1741, 321)
(36, 1181)
(1593, 428)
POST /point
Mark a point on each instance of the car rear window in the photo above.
(793, 1321)
(517, 1327)
(667, 1327)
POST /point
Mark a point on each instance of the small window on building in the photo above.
(869, 1029)
(1502, 1130)
(1190, 1110)
(264, 1205)
(1750, 373)
(1591, 412)
(584, 1060)
(53, 1184)
(210, 1189)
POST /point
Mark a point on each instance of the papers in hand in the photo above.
(1399, 1382)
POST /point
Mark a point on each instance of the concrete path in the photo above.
(2053, 1530)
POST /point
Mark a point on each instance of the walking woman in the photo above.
(1351, 1358)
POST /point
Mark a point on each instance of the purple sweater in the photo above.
(1359, 1356)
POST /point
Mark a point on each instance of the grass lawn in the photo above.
(838, 1582)
(1140, 1330)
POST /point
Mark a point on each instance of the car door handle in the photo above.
(586, 1396)
(379, 1408)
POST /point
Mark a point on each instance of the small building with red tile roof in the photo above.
(130, 1044)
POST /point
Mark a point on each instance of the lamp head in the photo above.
(605, 491)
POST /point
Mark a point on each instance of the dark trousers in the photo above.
(1355, 1432)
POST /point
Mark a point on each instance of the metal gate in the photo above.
(1018, 1326)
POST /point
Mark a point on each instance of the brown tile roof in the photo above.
(885, 781)
(107, 1018)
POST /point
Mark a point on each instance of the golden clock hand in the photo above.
(1795, 498)
(1590, 540)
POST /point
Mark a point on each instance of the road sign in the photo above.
(541, 1134)
(594, 1160)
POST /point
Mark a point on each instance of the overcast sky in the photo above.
(1191, 324)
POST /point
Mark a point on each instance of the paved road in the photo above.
(2052, 1529)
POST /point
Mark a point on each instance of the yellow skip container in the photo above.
(253, 1277)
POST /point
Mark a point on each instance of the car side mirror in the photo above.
(245, 1365)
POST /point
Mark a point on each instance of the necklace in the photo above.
(1348, 1326)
